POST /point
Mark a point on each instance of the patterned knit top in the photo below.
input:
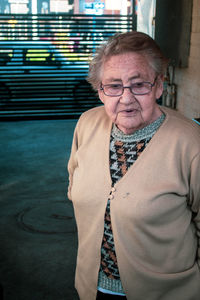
(124, 150)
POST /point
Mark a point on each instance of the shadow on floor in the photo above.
(38, 238)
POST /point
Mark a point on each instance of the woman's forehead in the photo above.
(128, 65)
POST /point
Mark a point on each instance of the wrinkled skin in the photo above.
(130, 112)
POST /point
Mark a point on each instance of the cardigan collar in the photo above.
(146, 132)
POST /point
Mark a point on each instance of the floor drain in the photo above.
(50, 218)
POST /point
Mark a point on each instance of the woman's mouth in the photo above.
(129, 111)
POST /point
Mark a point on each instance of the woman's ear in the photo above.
(101, 95)
(159, 89)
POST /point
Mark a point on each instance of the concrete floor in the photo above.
(38, 238)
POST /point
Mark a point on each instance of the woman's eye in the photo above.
(115, 86)
(138, 84)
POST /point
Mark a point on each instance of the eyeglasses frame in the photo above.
(129, 87)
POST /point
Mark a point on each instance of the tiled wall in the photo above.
(188, 79)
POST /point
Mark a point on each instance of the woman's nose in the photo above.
(127, 96)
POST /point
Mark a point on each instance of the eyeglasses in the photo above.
(117, 89)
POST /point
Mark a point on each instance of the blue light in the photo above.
(95, 8)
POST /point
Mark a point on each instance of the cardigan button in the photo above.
(113, 189)
(111, 197)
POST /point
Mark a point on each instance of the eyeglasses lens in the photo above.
(136, 89)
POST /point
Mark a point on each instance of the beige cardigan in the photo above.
(151, 210)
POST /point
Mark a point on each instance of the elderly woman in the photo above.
(135, 182)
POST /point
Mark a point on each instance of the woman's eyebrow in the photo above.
(112, 79)
(134, 77)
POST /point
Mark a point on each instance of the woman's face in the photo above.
(130, 112)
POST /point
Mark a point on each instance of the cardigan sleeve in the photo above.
(72, 163)
(195, 197)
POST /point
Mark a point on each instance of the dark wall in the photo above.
(173, 29)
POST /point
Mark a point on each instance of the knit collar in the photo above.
(146, 132)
